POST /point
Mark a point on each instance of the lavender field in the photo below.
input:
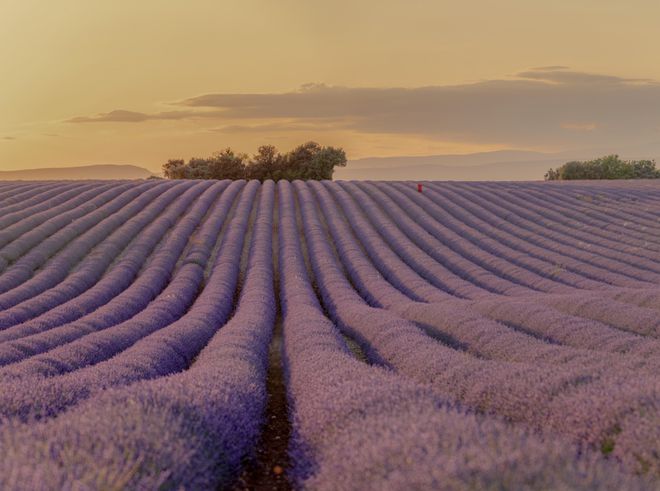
(329, 335)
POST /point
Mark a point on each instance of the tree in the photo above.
(608, 167)
(174, 169)
(198, 168)
(265, 164)
(551, 175)
(312, 161)
(307, 161)
(645, 169)
(296, 161)
(325, 160)
(226, 165)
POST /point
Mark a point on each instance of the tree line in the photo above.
(608, 167)
(307, 161)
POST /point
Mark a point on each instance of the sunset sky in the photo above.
(143, 81)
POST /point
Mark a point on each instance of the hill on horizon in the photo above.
(500, 165)
(93, 172)
(494, 171)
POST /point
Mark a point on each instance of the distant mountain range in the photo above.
(502, 165)
(442, 167)
(505, 165)
(105, 171)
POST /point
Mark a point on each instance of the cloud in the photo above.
(8, 138)
(124, 116)
(550, 106)
(550, 68)
(580, 126)
(326, 124)
(116, 116)
(562, 75)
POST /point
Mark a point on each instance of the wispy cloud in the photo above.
(580, 126)
(321, 124)
(550, 68)
(562, 75)
(8, 138)
(124, 116)
(551, 105)
(116, 116)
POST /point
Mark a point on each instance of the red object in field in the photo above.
(419, 188)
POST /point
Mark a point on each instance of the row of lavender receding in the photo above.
(509, 333)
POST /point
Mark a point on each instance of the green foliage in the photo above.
(226, 165)
(607, 446)
(307, 161)
(175, 169)
(608, 167)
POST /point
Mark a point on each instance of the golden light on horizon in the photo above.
(66, 63)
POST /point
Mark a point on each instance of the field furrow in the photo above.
(329, 335)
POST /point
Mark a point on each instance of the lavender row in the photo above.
(510, 229)
(575, 254)
(413, 219)
(628, 221)
(437, 284)
(138, 311)
(169, 349)
(630, 318)
(529, 276)
(432, 263)
(515, 245)
(191, 430)
(359, 268)
(583, 210)
(535, 211)
(122, 274)
(12, 192)
(607, 237)
(355, 425)
(537, 318)
(414, 213)
(37, 210)
(358, 426)
(628, 295)
(475, 266)
(30, 196)
(458, 322)
(152, 222)
(17, 242)
(610, 312)
(31, 250)
(592, 335)
(560, 269)
(60, 252)
(519, 392)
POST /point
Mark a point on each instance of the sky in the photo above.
(139, 82)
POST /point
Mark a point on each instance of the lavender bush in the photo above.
(472, 336)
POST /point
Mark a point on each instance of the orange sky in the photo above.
(119, 81)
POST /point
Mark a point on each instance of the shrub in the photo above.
(307, 161)
(608, 167)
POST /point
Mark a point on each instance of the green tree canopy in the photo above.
(608, 167)
(307, 161)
